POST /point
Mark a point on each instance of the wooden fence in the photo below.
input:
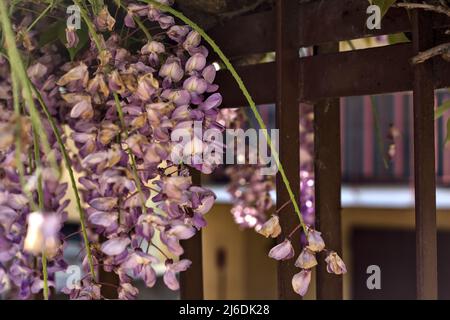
(320, 80)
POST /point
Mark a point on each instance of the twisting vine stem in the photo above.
(247, 95)
(73, 183)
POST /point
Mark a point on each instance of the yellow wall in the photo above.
(252, 275)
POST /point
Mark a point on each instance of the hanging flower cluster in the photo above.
(251, 201)
(249, 189)
(32, 204)
(120, 106)
(118, 103)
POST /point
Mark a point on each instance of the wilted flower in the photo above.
(104, 20)
(315, 241)
(78, 73)
(335, 264)
(300, 282)
(282, 251)
(147, 86)
(306, 259)
(271, 228)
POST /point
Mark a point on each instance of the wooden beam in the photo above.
(327, 174)
(287, 119)
(339, 20)
(424, 161)
(361, 72)
(246, 35)
(191, 280)
(352, 73)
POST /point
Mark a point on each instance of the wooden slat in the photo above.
(109, 280)
(191, 280)
(246, 35)
(353, 73)
(344, 20)
(365, 72)
(424, 162)
(327, 173)
(339, 20)
(287, 119)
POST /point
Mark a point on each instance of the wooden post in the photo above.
(109, 280)
(424, 161)
(287, 118)
(327, 173)
(191, 280)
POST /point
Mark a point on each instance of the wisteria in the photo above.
(105, 112)
(252, 203)
(120, 107)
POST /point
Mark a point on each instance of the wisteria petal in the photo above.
(115, 246)
(301, 281)
(282, 251)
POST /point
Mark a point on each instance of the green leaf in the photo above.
(51, 33)
(383, 4)
(442, 109)
(398, 38)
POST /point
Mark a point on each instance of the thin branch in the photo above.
(427, 7)
(430, 53)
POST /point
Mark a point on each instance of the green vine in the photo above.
(73, 183)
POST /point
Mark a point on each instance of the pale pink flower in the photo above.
(301, 281)
(172, 269)
(282, 251)
(335, 264)
(271, 228)
(306, 259)
(315, 241)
